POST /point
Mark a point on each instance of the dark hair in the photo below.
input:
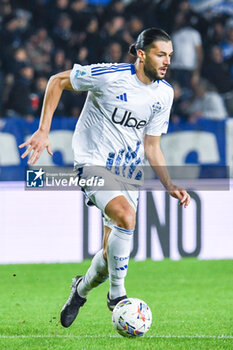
(146, 38)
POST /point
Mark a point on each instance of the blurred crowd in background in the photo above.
(40, 38)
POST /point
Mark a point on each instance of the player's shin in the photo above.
(96, 274)
(118, 251)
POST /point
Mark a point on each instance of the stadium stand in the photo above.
(43, 37)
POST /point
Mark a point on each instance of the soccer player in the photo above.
(126, 112)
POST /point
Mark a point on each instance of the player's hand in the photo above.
(180, 194)
(37, 143)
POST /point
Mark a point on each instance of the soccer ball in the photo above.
(132, 317)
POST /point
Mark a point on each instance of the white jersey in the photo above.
(118, 112)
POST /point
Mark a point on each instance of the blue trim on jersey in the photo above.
(113, 66)
(165, 82)
(96, 70)
(128, 232)
(133, 70)
(111, 71)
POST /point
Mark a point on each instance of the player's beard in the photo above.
(152, 73)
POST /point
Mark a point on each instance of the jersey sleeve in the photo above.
(159, 121)
(89, 78)
(81, 78)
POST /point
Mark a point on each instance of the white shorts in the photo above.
(101, 197)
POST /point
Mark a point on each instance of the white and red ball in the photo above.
(132, 317)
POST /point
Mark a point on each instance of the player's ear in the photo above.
(141, 55)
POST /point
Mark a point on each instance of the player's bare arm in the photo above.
(40, 140)
(156, 159)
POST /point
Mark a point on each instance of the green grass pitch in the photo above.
(191, 303)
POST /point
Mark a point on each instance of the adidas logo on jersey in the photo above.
(122, 97)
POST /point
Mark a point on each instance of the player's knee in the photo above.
(121, 213)
(126, 218)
